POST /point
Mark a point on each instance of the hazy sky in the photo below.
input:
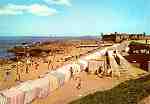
(67, 17)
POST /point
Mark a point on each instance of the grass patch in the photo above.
(128, 92)
(139, 41)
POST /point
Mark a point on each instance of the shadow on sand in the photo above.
(128, 92)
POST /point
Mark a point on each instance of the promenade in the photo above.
(91, 83)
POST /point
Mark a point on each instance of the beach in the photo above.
(53, 55)
(62, 52)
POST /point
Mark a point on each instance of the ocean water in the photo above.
(7, 42)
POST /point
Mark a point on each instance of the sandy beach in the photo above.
(70, 48)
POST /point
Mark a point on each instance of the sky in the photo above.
(73, 17)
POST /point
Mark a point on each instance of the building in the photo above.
(119, 37)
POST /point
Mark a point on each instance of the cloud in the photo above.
(59, 2)
(35, 9)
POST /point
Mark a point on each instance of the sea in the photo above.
(7, 42)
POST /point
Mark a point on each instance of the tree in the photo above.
(102, 35)
(144, 33)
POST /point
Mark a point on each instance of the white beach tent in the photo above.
(30, 91)
(53, 81)
(66, 70)
(3, 99)
(95, 65)
(43, 85)
(83, 64)
(14, 96)
(75, 68)
(59, 76)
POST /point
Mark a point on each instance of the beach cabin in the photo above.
(83, 64)
(53, 82)
(96, 66)
(66, 70)
(56, 79)
(3, 99)
(12, 96)
(60, 77)
(76, 68)
(31, 92)
(43, 86)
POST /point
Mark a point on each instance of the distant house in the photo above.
(115, 37)
(118, 37)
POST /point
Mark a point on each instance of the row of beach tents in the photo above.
(26, 92)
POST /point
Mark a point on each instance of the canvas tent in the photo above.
(14, 96)
(59, 76)
(96, 65)
(3, 99)
(83, 64)
(54, 82)
(43, 85)
(66, 70)
(30, 91)
(75, 68)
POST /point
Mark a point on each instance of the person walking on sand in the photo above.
(36, 66)
(71, 72)
(107, 60)
(108, 66)
(78, 84)
(7, 75)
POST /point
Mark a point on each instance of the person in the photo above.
(7, 75)
(108, 66)
(71, 71)
(99, 72)
(116, 58)
(78, 85)
(107, 60)
(36, 65)
(27, 67)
